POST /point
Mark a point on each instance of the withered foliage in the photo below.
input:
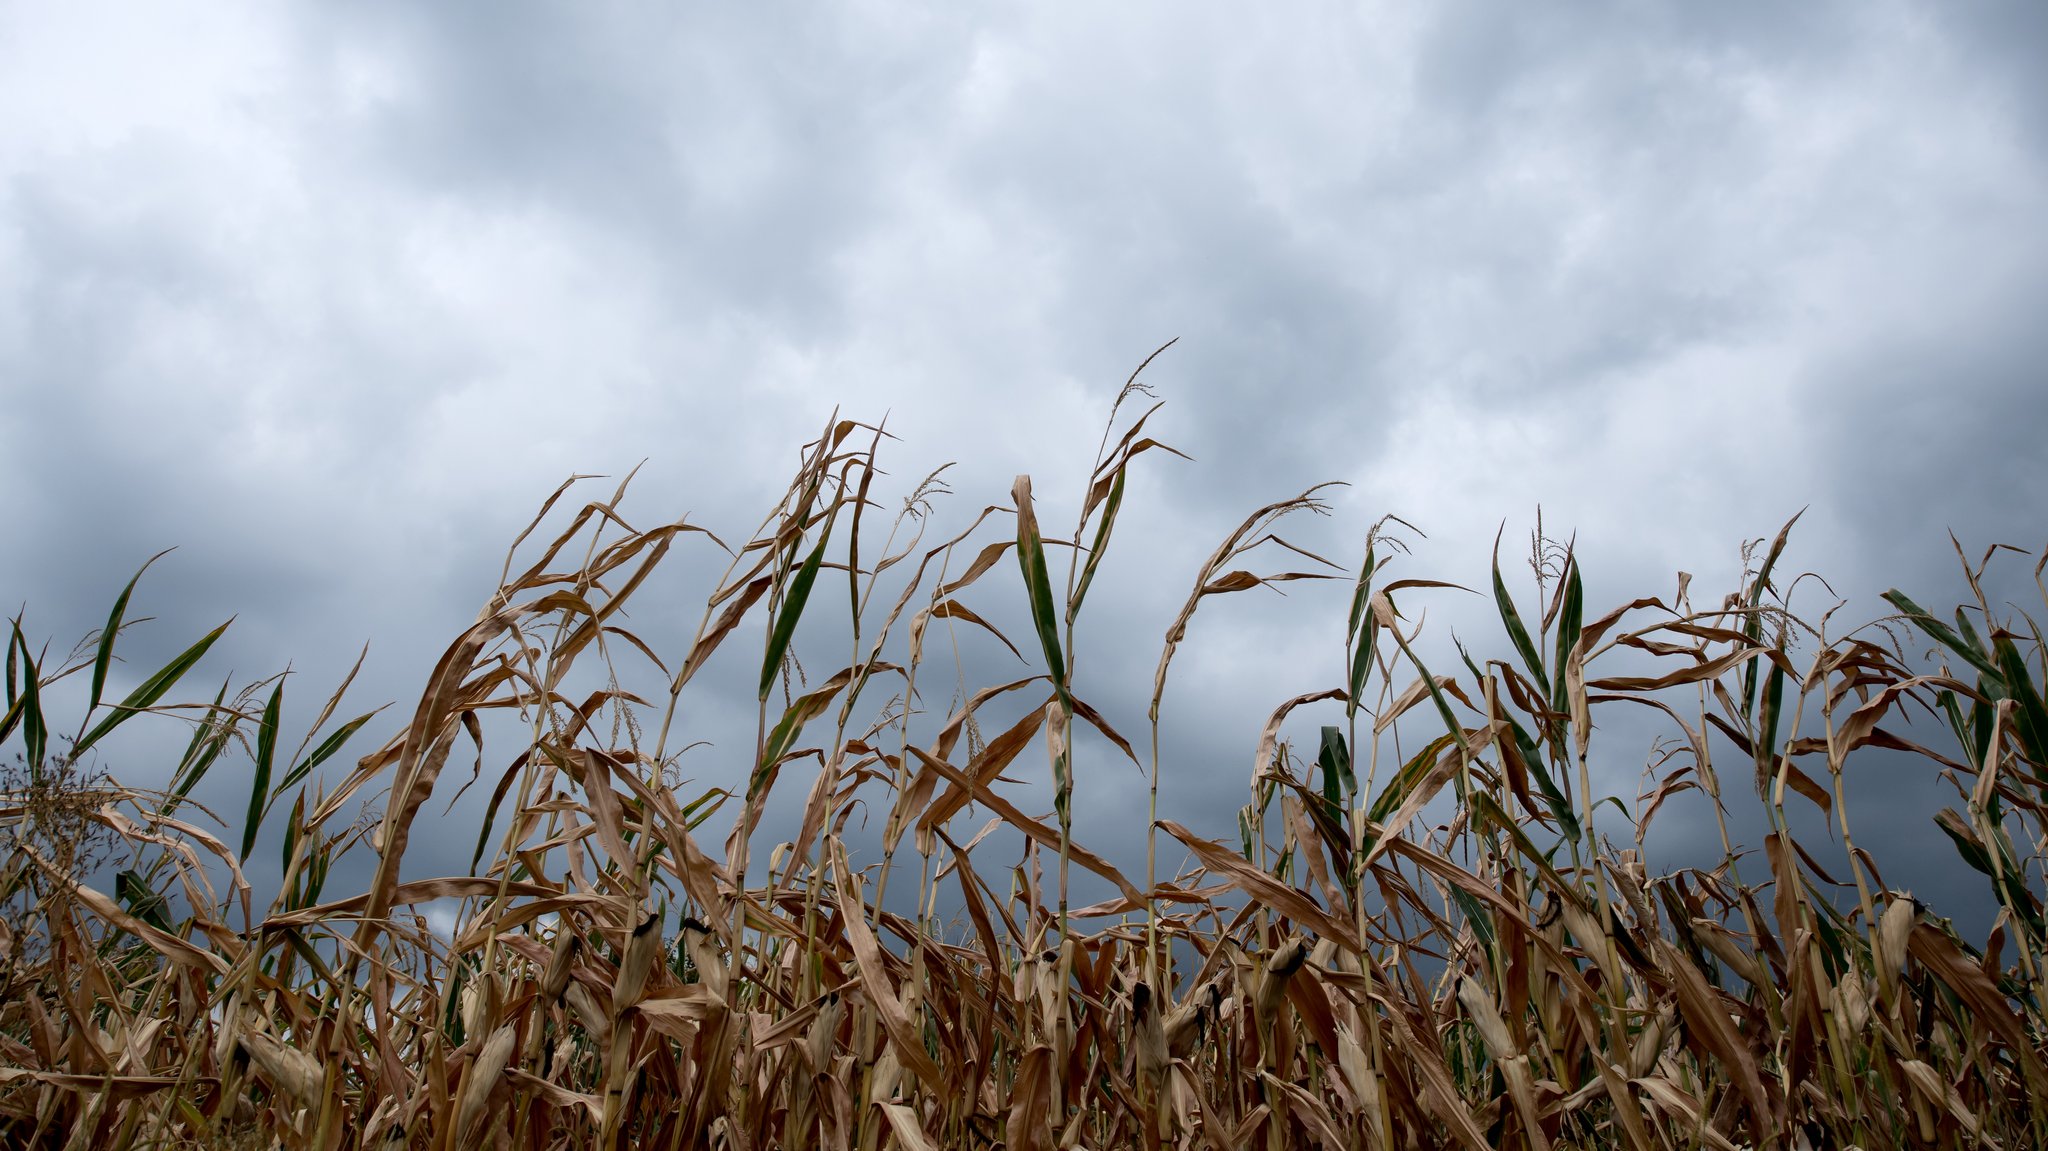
(1403, 946)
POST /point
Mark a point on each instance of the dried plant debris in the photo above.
(1420, 936)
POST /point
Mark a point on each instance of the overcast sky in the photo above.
(332, 298)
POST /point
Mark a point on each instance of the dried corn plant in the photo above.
(1405, 947)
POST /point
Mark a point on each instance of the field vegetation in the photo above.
(1435, 948)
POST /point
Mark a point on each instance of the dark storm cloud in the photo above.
(736, 156)
(334, 302)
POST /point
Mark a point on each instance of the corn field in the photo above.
(1431, 948)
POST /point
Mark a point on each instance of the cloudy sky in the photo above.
(332, 298)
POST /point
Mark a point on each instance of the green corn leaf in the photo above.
(1477, 915)
(140, 901)
(266, 732)
(1331, 834)
(1335, 761)
(1436, 694)
(1478, 677)
(780, 740)
(1570, 618)
(1553, 796)
(1774, 703)
(1361, 667)
(1969, 634)
(1361, 632)
(1095, 553)
(704, 807)
(105, 655)
(490, 820)
(2012, 883)
(1038, 584)
(204, 735)
(1405, 781)
(1361, 594)
(1946, 700)
(12, 717)
(1486, 810)
(215, 731)
(153, 688)
(27, 709)
(792, 608)
(291, 834)
(1982, 715)
(1512, 620)
(784, 735)
(2030, 715)
(266, 752)
(1941, 634)
(451, 1012)
(1833, 930)
(1364, 640)
(332, 744)
(316, 872)
(1753, 627)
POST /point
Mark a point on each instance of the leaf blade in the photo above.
(153, 688)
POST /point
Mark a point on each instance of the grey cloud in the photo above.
(1672, 271)
(740, 158)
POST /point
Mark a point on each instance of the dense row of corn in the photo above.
(1348, 973)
